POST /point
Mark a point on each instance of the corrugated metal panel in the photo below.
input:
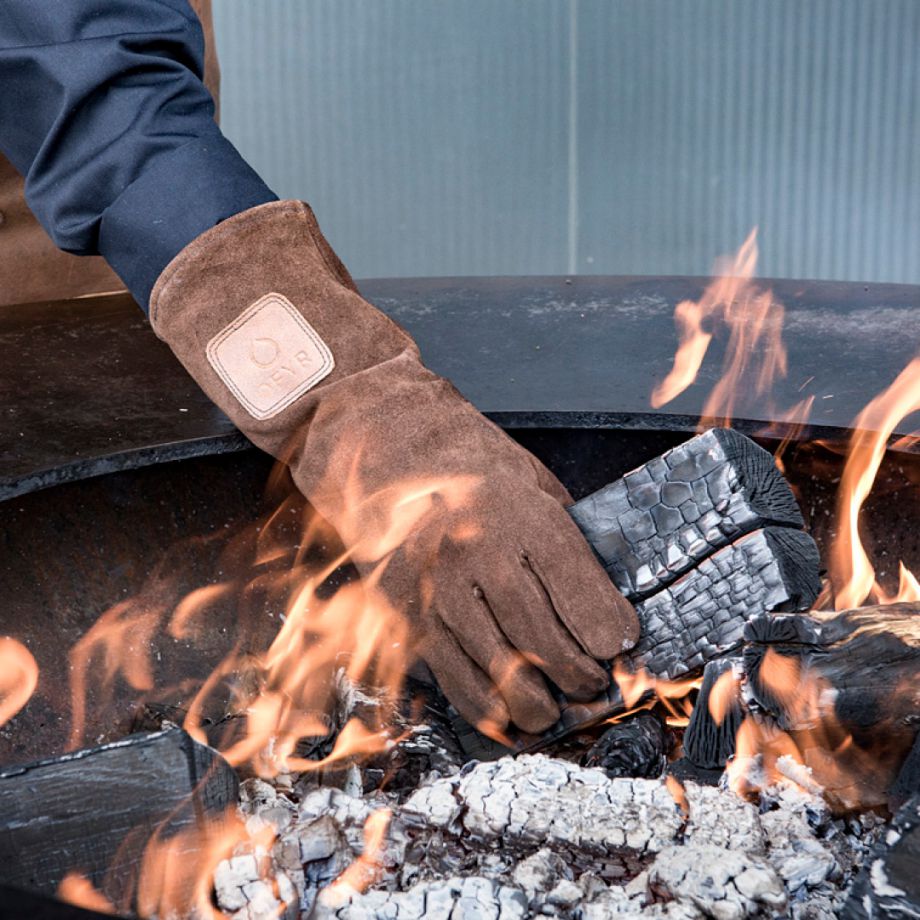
(625, 136)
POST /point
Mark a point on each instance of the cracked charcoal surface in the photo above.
(536, 836)
(702, 616)
(663, 518)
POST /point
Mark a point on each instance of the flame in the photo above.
(365, 870)
(755, 355)
(78, 890)
(177, 873)
(852, 573)
(722, 696)
(18, 677)
(803, 740)
(641, 690)
(679, 794)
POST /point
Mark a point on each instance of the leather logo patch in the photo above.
(269, 356)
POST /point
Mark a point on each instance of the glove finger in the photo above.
(525, 615)
(469, 618)
(582, 594)
(464, 683)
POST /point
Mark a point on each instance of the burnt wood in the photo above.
(708, 742)
(90, 389)
(888, 886)
(93, 811)
(702, 616)
(660, 520)
(636, 747)
(846, 687)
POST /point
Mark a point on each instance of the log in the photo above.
(889, 885)
(845, 687)
(16, 904)
(93, 811)
(702, 616)
(664, 518)
(700, 539)
(636, 747)
(710, 741)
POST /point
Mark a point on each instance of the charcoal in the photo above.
(855, 711)
(889, 884)
(709, 743)
(662, 519)
(635, 747)
(94, 810)
(702, 616)
(907, 782)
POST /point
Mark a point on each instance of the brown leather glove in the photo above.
(465, 530)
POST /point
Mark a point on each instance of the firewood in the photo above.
(635, 747)
(702, 616)
(709, 739)
(889, 885)
(662, 519)
(845, 686)
(92, 811)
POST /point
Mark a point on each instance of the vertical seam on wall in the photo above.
(573, 138)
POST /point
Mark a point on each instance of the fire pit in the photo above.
(142, 553)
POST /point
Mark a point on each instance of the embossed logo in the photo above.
(269, 356)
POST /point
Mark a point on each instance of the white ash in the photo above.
(537, 836)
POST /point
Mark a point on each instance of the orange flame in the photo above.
(755, 354)
(852, 574)
(18, 677)
(365, 870)
(78, 890)
(177, 872)
(642, 690)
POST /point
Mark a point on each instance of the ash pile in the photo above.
(535, 835)
(630, 809)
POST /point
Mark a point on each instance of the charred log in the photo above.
(637, 747)
(889, 884)
(662, 519)
(845, 687)
(709, 740)
(702, 615)
(94, 810)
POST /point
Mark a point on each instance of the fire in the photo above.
(336, 635)
(18, 677)
(365, 870)
(78, 890)
(642, 690)
(177, 872)
(852, 573)
(755, 355)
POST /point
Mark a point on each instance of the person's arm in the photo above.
(104, 112)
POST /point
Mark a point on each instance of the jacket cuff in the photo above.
(178, 198)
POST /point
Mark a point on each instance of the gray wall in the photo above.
(615, 136)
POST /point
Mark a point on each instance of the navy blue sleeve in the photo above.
(103, 110)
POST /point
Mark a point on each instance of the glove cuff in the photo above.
(264, 316)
